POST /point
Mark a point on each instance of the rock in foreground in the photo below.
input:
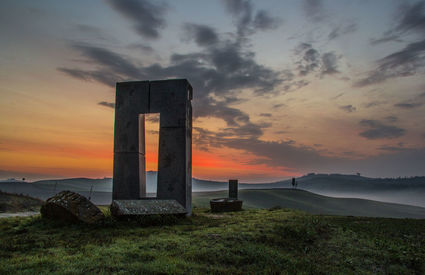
(72, 207)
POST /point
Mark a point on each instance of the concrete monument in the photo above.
(172, 100)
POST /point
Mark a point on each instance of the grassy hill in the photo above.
(278, 241)
(314, 203)
(18, 203)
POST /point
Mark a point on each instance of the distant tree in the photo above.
(294, 183)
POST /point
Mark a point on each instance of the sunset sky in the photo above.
(281, 88)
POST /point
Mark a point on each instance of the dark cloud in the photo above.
(273, 153)
(314, 10)
(216, 73)
(263, 21)
(391, 119)
(406, 62)
(337, 96)
(307, 159)
(142, 47)
(342, 30)
(348, 108)
(385, 39)
(241, 10)
(266, 114)
(248, 130)
(312, 61)
(245, 21)
(378, 130)
(373, 104)
(93, 32)
(277, 106)
(102, 76)
(411, 17)
(147, 16)
(406, 105)
(411, 59)
(392, 148)
(329, 63)
(75, 73)
(109, 61)
(107, 104)
(203, 35)
(416, 102)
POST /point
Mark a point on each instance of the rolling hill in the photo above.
(396, 192)
(314, 203)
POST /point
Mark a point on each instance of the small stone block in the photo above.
(132, 99)
(170, 98)
(233, 189)
(132, 208)
(225, 205)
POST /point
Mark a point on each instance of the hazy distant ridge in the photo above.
(400, 190)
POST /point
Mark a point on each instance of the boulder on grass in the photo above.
(71, 207)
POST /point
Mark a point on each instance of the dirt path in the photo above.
(19, 214)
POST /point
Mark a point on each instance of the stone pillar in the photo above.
(172, 99)
(132, 99)
(233, 189)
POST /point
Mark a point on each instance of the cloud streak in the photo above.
(406, 62)
(378, 130)
(146, 16)
(246, 22)
(348, 108)
(314, 10)
(107, 104)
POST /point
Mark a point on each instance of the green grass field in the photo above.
(252, 241)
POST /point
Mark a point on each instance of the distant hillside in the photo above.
(314, 203)
(403, 190)
(18, 203)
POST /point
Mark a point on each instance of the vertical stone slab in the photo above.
(188, 160)
(132, 99)
(126, 176)
(233, 189)
(171, 98)
(142, 157)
